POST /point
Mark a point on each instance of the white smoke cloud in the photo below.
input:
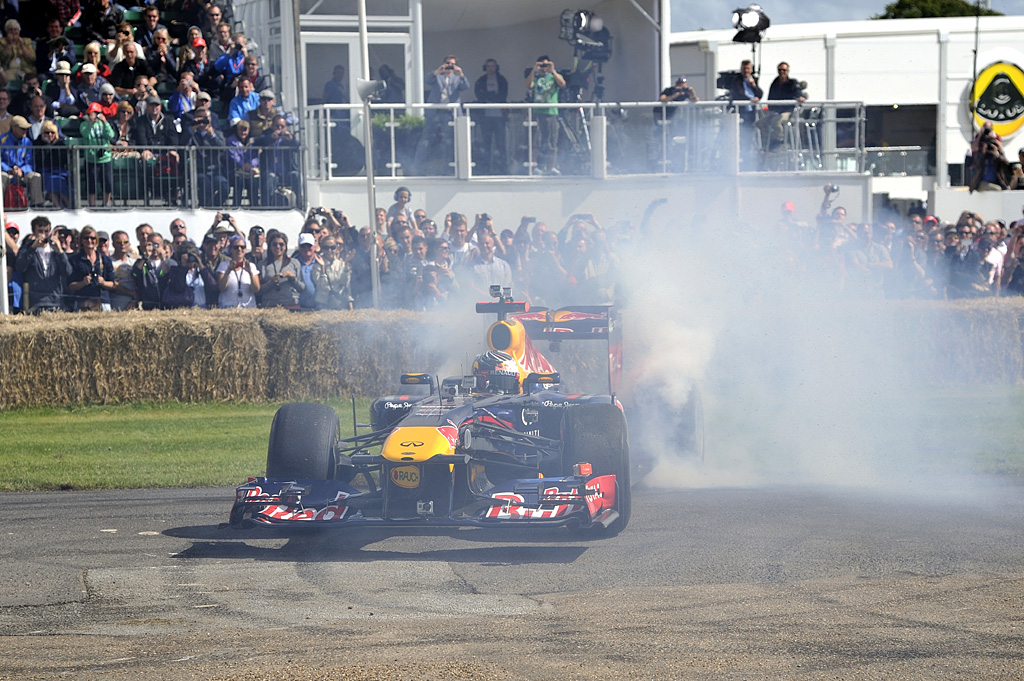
(801, 383)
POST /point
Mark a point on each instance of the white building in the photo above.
(913, 75)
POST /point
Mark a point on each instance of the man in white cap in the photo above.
(16, 160)
(224, 226)
(62, 93)
(89, 87)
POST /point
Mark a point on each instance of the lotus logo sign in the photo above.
(998, 97)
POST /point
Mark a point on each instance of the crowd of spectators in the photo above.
(143, 90)
(921, 256)
(420, 264)
(423, 265)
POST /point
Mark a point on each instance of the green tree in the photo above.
(918, 9)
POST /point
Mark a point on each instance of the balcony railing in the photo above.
(594, 139)
(168, 177)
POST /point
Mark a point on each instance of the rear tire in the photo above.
(596, 434)
(303, 440)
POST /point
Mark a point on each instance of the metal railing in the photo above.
(165, 177)
(594, 139)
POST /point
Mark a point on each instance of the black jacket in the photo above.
(46, 285)
(163, 134)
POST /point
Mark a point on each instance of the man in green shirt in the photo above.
(543, 83)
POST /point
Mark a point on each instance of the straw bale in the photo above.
(184, 355)
(339, 353)
(255, 355)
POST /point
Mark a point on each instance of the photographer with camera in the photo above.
(279, 164)
(543, 82)
(680, 92)
(44, 267)
(238, 280)
(832, 229)
(211, 161)
(445, 85)
(988, 166)
(92, 274)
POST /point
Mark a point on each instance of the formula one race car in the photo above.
(505, 446)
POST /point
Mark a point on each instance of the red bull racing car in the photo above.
(505, 446)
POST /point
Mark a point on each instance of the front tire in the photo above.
(303, 439)
(596, 434)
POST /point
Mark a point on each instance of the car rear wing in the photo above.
(578, 322)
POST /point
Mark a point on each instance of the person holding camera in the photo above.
(334, 277)
(988, 166)
(97, 134)
(92, 274)
(279, 164)
(237, 279)
(211, 161)
(279, 274)
(543, 82)
(1017, 171)
(44, 267)
(445, 85)
(680, 92)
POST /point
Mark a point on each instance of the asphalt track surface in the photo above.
(730, 583)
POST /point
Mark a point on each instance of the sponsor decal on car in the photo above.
(512, 508)
(406, 476)
(450, 433)
(333, 511)
(601, 494)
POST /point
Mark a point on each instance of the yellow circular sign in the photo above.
(998, 97)
(406, 476)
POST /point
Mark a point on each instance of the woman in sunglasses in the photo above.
(280, 274)
(92, 274)
(237, 278)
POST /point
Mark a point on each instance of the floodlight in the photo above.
(750, 23)
(586, 32)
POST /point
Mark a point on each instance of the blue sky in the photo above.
(688, 15)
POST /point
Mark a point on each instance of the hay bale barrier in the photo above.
(273, 355)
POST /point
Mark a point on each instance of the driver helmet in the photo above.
(496, 371)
